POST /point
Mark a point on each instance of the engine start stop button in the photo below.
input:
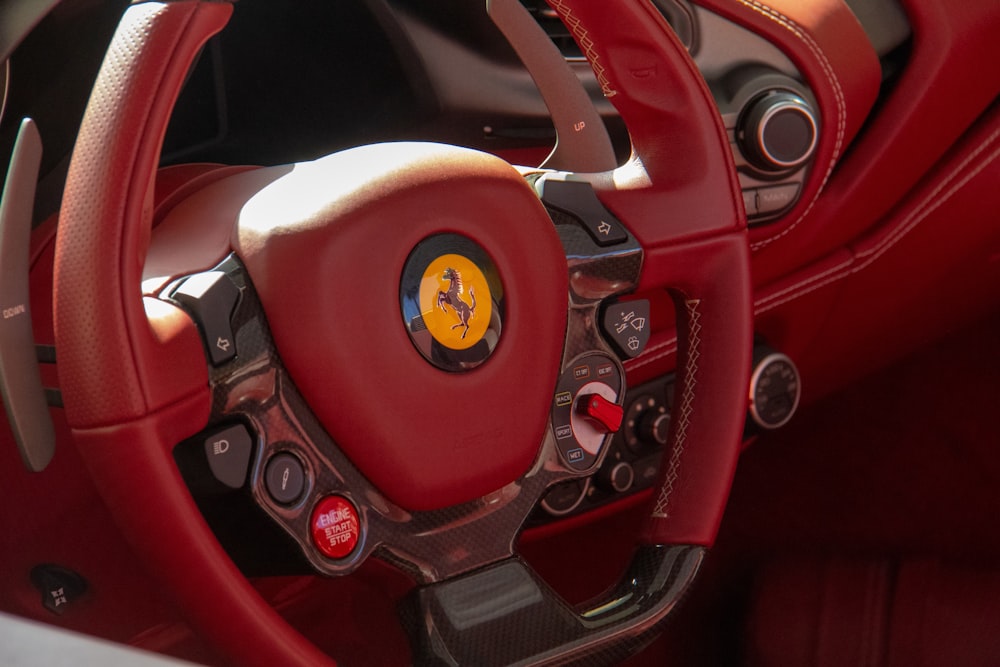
(336, 529)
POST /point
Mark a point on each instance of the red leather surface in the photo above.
(709, 284)
(100, 245)
(176, 183)
(197, 222)
(681, 183)
(933, 267)
(128, 399)
(831, 50)
(874, 611)
(670, 202)
(58, 517)
(822, 613)
(899, 465)
(425, 437)
(67, 523)
(948, 82)
(160, 517)
(930, 268)
(944, 614)
(807, 313)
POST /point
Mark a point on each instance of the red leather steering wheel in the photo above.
(331, 326)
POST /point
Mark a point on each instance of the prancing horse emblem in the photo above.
(452, 297)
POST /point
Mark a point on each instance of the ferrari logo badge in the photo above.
(452, 302)
(453, 298)
(455, 301)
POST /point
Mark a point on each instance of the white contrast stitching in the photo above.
(648, 358)
(904, 228)
(851, 266)
(930, 203)
(586, 44)
(831, 77)
(795, 291)
(660, 510)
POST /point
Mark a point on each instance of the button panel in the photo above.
(295, 464)
(773, 133)
(580, 438)
(630, 459)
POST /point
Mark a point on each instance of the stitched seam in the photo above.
(831, 77)
(931, 203)
(849, 267)
(650, 358)
(663, 343)
(662, 507)
(765, 302)
(576, 26)
(928, 206)
(810, 290)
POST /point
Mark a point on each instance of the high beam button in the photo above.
(228, 454)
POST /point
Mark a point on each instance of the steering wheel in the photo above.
(406, 339)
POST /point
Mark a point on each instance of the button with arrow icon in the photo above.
(210, 297)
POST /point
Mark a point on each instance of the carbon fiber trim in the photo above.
(256, 389)
(504, 615)
(463, 556)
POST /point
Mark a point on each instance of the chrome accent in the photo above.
(758, 370)
(794, 103)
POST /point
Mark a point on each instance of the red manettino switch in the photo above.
(602, 411)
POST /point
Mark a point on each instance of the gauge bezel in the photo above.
(758, 371)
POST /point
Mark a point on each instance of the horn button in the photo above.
(419, 303)
(453, 302)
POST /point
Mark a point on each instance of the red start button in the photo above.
(336, 529)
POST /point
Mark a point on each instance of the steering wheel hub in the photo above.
(452, 302)
(336, 247)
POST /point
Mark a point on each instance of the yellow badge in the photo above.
(455, 301)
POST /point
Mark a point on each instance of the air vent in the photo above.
(554, 28)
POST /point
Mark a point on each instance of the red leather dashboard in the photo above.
(902, 183)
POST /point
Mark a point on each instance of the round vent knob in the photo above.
(778, 131)
(654, 428)
(617, 478)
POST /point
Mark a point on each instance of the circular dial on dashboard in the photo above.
(778, 131)
(775, 390)
(647, 424)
